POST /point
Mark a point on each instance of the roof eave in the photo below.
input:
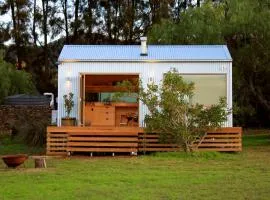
(144, 61)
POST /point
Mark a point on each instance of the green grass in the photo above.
(13, 146)
(244, 175)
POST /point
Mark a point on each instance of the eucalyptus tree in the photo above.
(131, 20)
(243, 26)
(34, 23)
(13, 81)
(91, 14)
(247, 32)
(65, 10)
(20, 21)
(4, 33)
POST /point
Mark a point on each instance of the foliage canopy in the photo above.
(14, 81)
(242, 25)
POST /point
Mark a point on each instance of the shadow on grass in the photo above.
(197, 155)
(256, 140)
(10, 145)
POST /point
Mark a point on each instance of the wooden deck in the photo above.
(63, 140)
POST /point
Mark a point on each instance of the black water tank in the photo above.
(24, 99)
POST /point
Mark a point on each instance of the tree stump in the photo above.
(40, 162)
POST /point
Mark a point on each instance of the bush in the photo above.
(30, 130)
(173, 116)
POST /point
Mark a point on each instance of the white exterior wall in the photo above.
(69, 77)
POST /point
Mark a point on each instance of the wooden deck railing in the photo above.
(151, 143)
(103, 141)
(62, 140)
(56, 143)
(92, 139)
(223, 139)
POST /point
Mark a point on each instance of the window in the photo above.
(208, 88)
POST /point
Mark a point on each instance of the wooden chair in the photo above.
(123, 120)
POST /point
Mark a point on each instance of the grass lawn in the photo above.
(244, 175)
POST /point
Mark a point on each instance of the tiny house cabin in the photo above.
(92, 72)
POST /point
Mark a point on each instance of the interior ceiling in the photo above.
(108, 79)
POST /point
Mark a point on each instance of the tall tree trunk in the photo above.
(90, 20)
(153, 12)
(198, 3)
(115, 20)
(45, 31)
(16, 34)
(66, 20)
(34, 24)
(131, 25)
(108, 18)
(76, 20)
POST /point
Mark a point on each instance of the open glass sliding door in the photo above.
(81, 101)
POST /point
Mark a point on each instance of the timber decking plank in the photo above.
(102, 144)
(56, 148)
(227, 130)
(215, 140)
(103, 133)
(148, 140)
(223, 136)
(157, 145)
(93, 129)
(220, 145)
(77, 149)
(57, 144)
(120, 139)
(219, 149)
(159, 149)
(56, 139)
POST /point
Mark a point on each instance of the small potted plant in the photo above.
(68, 104)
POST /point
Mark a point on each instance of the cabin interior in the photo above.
(107, 102)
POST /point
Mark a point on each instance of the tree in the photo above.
(13, 81)
(20, 22)
(45, 13)
(243, 26)
(197, 26)
(65, 6)
(247, 34)
(76, 23)
(4, 33)
(34, 33)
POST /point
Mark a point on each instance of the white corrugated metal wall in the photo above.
(69, 75)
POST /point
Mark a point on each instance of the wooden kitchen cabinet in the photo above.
(99, 115)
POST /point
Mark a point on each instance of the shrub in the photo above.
(173, 116)
(68, 103)
(30, 130)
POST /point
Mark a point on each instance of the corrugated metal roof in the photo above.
(155, 53)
